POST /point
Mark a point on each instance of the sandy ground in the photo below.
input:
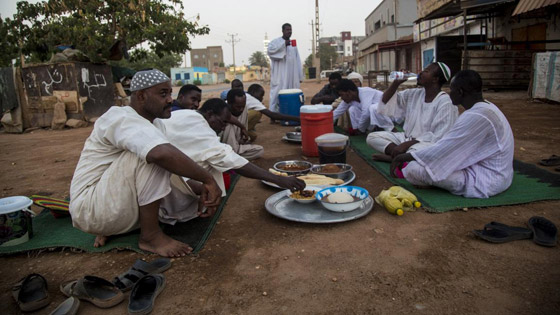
(381, 264)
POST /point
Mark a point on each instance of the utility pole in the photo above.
(233, 41)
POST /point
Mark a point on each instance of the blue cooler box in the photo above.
(289, 102)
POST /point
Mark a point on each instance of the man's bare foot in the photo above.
(163, 245)
(100, 241)
(382, 157)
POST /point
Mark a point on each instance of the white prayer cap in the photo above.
(146, 79)
(355, 75)
(445, 69)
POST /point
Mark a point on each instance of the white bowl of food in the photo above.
(342, 198)
(307, 195)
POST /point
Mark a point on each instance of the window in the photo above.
(177, 76)
(203, 56)
(187, 76)
(393, 18)
(195, 56)
(215, 55)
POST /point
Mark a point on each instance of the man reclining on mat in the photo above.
(195, 134)
(427, 112)
(475, 158)
(124, 168)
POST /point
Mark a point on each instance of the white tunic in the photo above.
(253, 103)
(480, 145)
(189, 132)
(286, 71)
(361, 114)
(425, 122)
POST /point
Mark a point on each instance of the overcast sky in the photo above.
(251, 20)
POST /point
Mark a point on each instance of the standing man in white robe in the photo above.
(427, 112)
(286, 71)
(124, 168)
(360, 102)
(475, 158)
(195, 133)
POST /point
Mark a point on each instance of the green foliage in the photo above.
(143, 59)
(258, 59)
(8, 50)
(308, 61)
(197, 82)
(221, 65)
(326, 52)
(92, 26)
(227, 81)
(179, 83)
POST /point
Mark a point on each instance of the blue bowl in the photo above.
(354, 191)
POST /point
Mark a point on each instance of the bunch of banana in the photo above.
(397, 200)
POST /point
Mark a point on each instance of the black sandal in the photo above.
(496, 232)
(139, 269)
(31, 293)
(545, 232)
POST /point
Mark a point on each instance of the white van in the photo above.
(326, 73)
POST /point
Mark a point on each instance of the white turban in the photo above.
(355, 75)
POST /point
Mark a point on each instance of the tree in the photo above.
(326, 52)
(258, 59)
(92, 26)
(148, 59)
(308, 61)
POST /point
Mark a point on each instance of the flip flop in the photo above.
(496, 232)
(139, 269)
(144, 293)
(31, 293)
(545, 232)
(553, 160)
(95, 290)
(70, 306)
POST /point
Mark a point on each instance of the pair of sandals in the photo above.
(31, 294)
(541, 230)
(143, 278)
(553, 160)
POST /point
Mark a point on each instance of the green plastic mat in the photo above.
(530, 183)
(50, 233)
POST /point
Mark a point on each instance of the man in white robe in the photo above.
(286, 71)
(232, 134)
(195, 134)
(475, 158)
(124, 168)
(427, 113)
(361, 104)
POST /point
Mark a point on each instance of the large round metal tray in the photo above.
(280, 205)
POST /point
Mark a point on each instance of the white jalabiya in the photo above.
(286, 71)
(253, 103)
(112, 178)
(363, 114)
(189, 132)
(474, 159)
(424, 122)
(232, 136)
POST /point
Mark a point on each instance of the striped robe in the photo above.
(474, 159)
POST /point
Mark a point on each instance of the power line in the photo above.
(233, 41)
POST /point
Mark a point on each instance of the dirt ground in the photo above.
(380, 264)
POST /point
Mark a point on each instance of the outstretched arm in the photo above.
(252, 171)
(279, 116)
(391, 90)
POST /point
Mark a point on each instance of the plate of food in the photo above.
(317, 179)
(282, 206)
(307, 195)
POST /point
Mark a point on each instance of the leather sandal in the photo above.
(31, 293)
(139, 269)
(70, 306)
(95, 290)
(144, 294)
(496, 232)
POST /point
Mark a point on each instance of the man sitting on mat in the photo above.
(475, 158)
(189, 98)
(427, 112)
(124, 168)
(361, 104)
(234, 134)
(195, 134)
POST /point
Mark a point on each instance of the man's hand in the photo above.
(291, 183)
(244, 135)
(210, 198)
(402, 148)
(398, 161)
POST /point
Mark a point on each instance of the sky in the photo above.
(250, 20)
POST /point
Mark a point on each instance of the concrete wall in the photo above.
(401, 12)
